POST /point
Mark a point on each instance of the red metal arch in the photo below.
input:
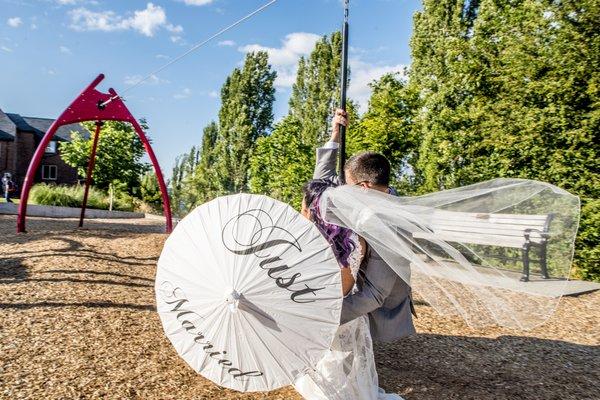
(90, 106)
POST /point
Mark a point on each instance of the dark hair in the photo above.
(370, 167)
(339, 238)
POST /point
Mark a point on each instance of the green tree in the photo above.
(317, 89)
(246, 114)
(510, 88)
(388, 128)
(285, 160)
(150, 191)
(282, 163)
(202, 184)
(180, 190)
(118, 156)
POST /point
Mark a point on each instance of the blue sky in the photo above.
(51, 49)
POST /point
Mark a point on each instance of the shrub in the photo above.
(587, 258)
(72, 196)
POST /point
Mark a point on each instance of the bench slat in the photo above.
(480, 228)
(491, 240)
(537, 224)
(518, 218)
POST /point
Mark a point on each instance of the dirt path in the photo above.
(77, 320)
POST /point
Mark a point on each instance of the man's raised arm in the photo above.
(325, 167)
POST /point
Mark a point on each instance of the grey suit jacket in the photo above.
(383, 295)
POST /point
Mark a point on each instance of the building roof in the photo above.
(10, 123)
(39, 126)
(8, 129)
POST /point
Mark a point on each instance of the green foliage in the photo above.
(588, 242)
(182, 192)
(509, 88)
(284, 160)
(72, 196)
(282, 163)
(150, 191)
(220, 166)
(246, 114)
(496, 88)
(118, 155)
(388, 128)
(317, 89)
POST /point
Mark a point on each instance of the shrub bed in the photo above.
(72, 196)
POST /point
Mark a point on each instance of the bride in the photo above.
(347, 371)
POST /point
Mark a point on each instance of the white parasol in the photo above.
(249, 292)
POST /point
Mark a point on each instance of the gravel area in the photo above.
(77, 321)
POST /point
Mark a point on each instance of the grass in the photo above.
(72, 196)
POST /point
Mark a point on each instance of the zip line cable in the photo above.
(191, 50)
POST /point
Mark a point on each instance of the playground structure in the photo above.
(92, 105)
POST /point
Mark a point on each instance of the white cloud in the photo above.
(73, 2)
(285, 58)
(6, 49)
(197, 2)
(64, 50)
(213, 93)
(14, 22)
(162, 57)
(147, 21)
(48, 71)
(152, 80)
(174, 28)
(226, 43)
(184, 94)
(364, 73)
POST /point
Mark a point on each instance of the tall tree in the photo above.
(202, 184)
(246, 114)
(440, 51)
(284, 160)
(317, 89)
(510, 88)
(181, 192)
(388, 128)
(282, 163)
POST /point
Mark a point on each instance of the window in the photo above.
(49, 172)
(51, 148)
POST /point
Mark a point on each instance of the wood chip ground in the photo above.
(77, 321)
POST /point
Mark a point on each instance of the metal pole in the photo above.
(30, 176)
(63, 119)
(159, 175)
(344, 83)
(90, 169)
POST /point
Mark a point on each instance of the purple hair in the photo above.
(339, 238)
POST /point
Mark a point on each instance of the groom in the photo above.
(384, 296)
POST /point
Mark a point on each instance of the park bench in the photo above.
(504, 230)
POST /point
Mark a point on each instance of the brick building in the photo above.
(20, 136)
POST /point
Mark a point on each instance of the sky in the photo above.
(51, 49)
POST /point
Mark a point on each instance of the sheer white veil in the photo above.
(462, 250)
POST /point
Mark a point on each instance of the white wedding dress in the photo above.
(347, 371)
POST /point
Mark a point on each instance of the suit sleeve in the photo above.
(326, 163)
(377, 286)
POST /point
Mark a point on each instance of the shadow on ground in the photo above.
(428, 366)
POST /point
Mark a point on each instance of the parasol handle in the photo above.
(232, 298)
